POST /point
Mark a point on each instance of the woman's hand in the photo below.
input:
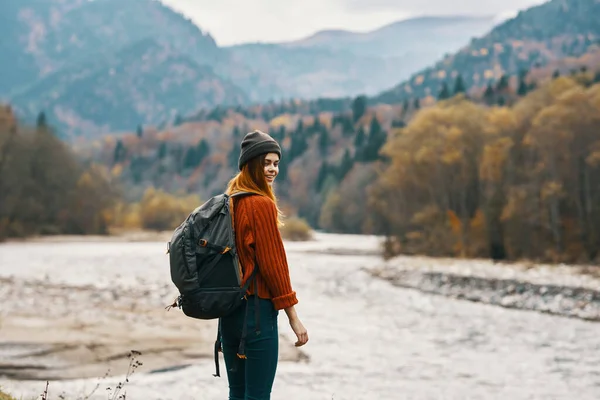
(297, 326)
(300, 331)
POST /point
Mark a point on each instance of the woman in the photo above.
(259, 245)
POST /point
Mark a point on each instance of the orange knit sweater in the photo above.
(258, 240)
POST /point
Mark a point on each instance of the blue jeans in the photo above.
(251, 378)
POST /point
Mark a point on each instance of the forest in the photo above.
(511, 174)
(518, 182)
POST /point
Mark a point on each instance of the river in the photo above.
(368, 339)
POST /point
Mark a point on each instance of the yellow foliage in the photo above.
(455, 223)
(162, 211)
(283, 119)
(296, 229)
(551, 190)
(117, 170)
(157, 210)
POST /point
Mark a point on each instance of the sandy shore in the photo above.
(57, 331)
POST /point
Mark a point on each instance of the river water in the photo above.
(368, 339)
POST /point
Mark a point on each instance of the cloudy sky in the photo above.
(239, 21)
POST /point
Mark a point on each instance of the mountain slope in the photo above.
(144, 83)
(108, 64)
(53, 34)
(536, 37)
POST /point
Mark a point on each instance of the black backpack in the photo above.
(205, 267)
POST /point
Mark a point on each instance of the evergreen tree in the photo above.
(323, 172)
(202, 150)
(405, 106)
(324, 141)
(502, 84)
(488, 95)
(522, 90)
(236, 133)
(234, 155)
(417, 104)
(347, 126)
(597, 77)
(375, 141)
(280, 134)
(300, 127)
(190, 160)
(444, 92)
(345, 165)
(359, 107)
(41, 120)
(120, 152)
(359, 139)
(162, 150)
(139, 131)
(316, 126)
(556, 74)
(298, 146)
(283, 167)
(459, 85)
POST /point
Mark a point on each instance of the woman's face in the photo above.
(271, 167)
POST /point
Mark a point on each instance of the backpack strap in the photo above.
(218, 342)
(218, 347)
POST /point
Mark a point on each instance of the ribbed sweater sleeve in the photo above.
(270, 253)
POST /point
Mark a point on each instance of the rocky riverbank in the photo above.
(569, 291)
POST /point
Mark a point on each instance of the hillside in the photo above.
(539, 37)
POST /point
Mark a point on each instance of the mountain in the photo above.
(540, 37)
(343, 63)
(111, 65)
(419, 36)
(108, 64)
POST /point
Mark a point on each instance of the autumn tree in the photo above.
(43, 187)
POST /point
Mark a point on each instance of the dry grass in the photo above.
(5, 396)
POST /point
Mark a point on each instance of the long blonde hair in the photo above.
(252, 179)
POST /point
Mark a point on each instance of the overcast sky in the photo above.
(240, 21)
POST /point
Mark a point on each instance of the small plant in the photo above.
(133, 365)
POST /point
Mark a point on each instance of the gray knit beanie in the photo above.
(255, 144)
